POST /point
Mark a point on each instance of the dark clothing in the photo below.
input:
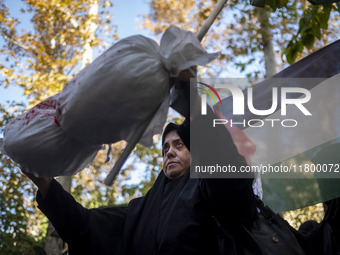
(171, 219)
(174, 217)
(170, 222)
(324, 237)
(332, 217)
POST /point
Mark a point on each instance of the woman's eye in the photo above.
(179, 144)
(165, 149)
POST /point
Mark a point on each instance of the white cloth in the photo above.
(36, 142)
(104, 103)
(108, 100)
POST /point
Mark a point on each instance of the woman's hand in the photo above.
(43, 183)
(184, 77)
(181, 92)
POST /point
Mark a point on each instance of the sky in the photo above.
(126, 15)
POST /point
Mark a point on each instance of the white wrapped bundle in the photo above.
(106, 102)
(36, 142)
(109, 99)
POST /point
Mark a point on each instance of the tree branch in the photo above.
(20, 45)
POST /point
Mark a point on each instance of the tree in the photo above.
(267, 42)
(17, 212)
(41, 60)
(44, 58)
(316, 29)
(241, 30)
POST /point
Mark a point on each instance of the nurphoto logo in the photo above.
(280, 100)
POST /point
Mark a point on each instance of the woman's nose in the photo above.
(170, 152)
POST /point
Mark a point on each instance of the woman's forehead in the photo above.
(172, 135)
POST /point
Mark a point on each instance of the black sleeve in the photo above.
(227, 197)
(87, 231)
(332, 212)
(332, 217)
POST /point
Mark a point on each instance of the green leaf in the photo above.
(290, 53)
(299, 46)
(316, 32)
(303, 25)
(281, 3)
(258, 3)
(293, 48)
(308, 40)
(274, 4)
(322, 18)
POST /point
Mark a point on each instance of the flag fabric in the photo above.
(306, 146)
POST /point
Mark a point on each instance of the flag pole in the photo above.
(128, 149)
(141, 129)
(210, 20)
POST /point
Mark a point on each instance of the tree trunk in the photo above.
(267, 42)
(91, 27)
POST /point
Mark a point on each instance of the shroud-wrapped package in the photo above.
(109, 99)
(36, 142)
(104, 103)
